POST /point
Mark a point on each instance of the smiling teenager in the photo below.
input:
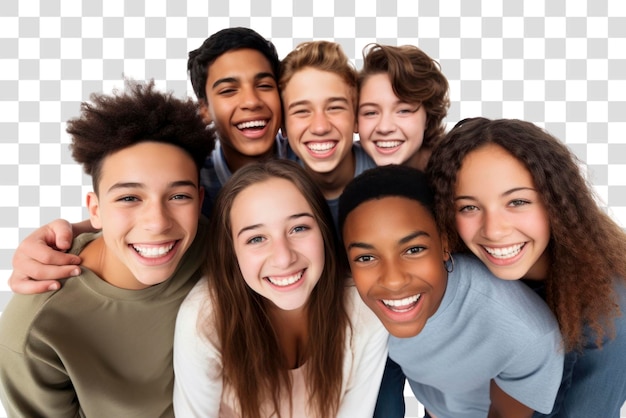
(101, 346)
(275, 329)
(514, 196)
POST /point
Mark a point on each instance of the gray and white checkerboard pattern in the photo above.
(559, 64)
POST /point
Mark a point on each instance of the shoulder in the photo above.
(363, 321)
(510, 300)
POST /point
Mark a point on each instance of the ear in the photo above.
(444, 247)
(93, 206)
(204, 112)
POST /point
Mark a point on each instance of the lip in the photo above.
(255, 133)
(155, 261)
(321, 154)
(504, 261)
(404, 315)
(290, 287)
(387, 150)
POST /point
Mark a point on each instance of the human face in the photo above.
(391, 130)
(500, 215)
(278, 242)
(147, 206)
(243, 102)
(397, 262)
(319, 119)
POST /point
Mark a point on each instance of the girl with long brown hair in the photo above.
(513, 195)
(275, 329)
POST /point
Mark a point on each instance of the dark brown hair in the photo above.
(253, 364)
(415, 78)
(112, 122)
(586, 248)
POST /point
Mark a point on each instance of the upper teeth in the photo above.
(321, 146)
(153, 252)
(286, 281)
(506, 252)
(388, 144)
(252, 124)
(402, 302)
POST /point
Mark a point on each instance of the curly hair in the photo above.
(139, 113)
(415, 78)
(579, 283)
(221, 42)
(321, 55)
(242, 316)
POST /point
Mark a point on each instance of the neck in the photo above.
(109, 268)
(332, 183)
(235, 160)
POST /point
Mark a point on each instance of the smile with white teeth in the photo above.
(401, 305)
(153, 251)
(252, 124)
(505, 252)
(388, 144)
(321, 146)
(286, 281)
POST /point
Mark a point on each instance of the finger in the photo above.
(23, 285)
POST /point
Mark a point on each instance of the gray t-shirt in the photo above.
(485, 328)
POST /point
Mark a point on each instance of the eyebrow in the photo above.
(401, 241)
(291, 217)
(135, 185)
(507, 193)
(257, 77)
(329, 100)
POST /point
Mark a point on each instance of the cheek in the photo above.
(466, 227)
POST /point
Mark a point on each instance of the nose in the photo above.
(320, 124)
(156, 217)
(283, 254)
(385, 124)
(393, 276)
(250, 98)
(494, 226)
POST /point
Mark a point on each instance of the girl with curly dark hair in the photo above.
(513, 195)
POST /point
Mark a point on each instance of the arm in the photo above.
(364, 373)
(33, 381)
(39, 261)
(197, 365)
(505, 406)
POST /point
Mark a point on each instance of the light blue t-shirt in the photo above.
(485, 328)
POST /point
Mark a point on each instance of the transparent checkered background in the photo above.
(560, 64)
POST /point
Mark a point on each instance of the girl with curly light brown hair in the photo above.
(513, 195)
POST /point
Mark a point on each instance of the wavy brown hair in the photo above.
(586, 248)
(415, 78)
(252, 364)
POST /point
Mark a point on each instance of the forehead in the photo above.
(492, 163)
(239, 63)
(146, 161)
(313, 84)
(272, 199)
(391, 213)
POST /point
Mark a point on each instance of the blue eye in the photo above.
(255, 240)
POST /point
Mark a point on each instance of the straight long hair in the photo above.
(253, 363)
